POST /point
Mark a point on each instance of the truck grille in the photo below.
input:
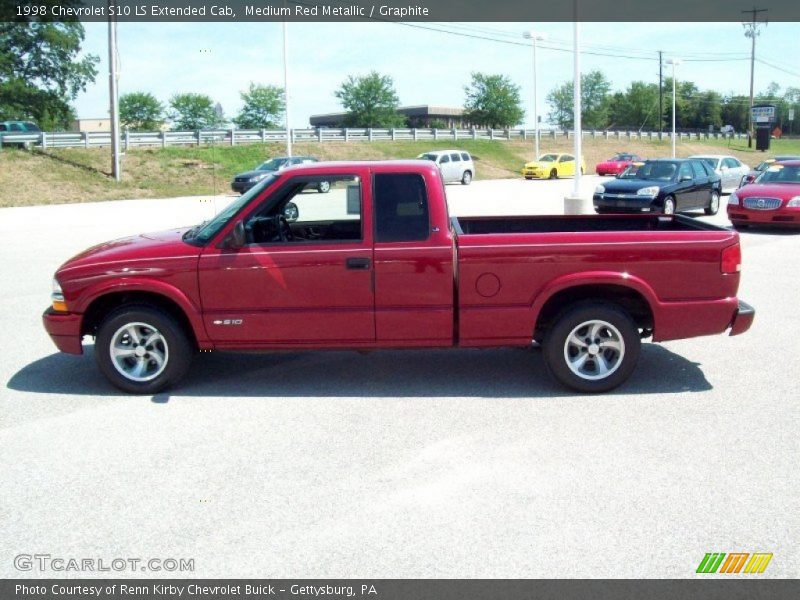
(762, 203)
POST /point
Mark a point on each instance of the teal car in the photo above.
(17, 128)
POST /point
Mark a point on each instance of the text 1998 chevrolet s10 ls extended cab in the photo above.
(378, 263)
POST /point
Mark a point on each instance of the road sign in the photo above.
(763, 114)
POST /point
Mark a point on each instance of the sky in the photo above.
(428, 67)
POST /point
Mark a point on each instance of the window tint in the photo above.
(16, 127)
(465, 156)
(445, 159)
(401, 208)
(455, 157)
(731, 163)
(685, 171)
(566, 158)
(699, 169)
(3, 127)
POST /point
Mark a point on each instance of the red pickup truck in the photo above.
(377, 262)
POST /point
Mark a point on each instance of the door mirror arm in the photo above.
(236, 238)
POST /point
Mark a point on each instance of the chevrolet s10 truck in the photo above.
(378, 263)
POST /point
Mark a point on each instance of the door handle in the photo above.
(357, 264)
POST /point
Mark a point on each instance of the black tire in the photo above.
(553, 174)
(176, 348)
(527, 177)
(713, 204)
(738, 226)
(623, 360)
(669, 200)
(466, 178)
(324, 187)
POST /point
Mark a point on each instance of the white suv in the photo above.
(455, 165)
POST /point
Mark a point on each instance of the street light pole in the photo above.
(674, 62)
(113, 94)
(535, 37)
(286, 90)
(576, 104)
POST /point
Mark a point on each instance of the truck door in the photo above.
(413, 261)
(304, 274)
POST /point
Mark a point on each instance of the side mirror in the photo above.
(236, 238)
(290, 212)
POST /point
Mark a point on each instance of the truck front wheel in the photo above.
(142, 349)
(592, 347)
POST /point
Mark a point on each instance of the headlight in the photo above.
(794, 202)
(57, 297)
(648, 191)
(733, 199)
(599, 189)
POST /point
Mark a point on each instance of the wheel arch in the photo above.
(103, 303)
(631, 294)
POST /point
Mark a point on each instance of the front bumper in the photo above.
(742, 318)
(619, 203)
(537, 173)
(64, 329)
(787, 218)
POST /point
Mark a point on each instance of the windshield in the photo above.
(711, 162)
(780, 174)
(762, 166)
(622, 157)
(548, 157)
(204, 232)
(651, 171)
(273, 164)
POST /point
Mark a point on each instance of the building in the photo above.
(417, 116)
(102, 124)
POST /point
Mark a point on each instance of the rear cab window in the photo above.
(401, 207)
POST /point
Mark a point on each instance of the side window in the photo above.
(3, 127)
(16, 127)
(566, 158)
(401, 208)
(699, 169)
(685, 171)
(455, 157)
(445, 159)
(465, 156)
(309, 210)
(731, 163)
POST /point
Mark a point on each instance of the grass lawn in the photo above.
(80, 175)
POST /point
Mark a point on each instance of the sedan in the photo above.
(551, 166)
(750, 177)
(663, 185)
(617, 163)
(244, 181)
(729, 168)
(773, 199)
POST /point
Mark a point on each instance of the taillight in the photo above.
(731, 260)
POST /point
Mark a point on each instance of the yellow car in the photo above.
(552, 166)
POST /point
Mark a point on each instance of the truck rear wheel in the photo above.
(592, 347)
(142, 349)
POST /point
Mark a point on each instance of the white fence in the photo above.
(233, 137)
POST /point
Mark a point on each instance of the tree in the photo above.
(140, 111)
(193, 111)
(636, 107)
(41, 72)
(595, 102)
(263, 107)
(492, 101)
(370, 101)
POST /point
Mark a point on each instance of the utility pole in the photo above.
(112, 92)
(660, 94)
(751, 31)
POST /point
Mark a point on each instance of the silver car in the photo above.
(455, 165)
(729, 168)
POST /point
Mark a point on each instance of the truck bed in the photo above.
(577, 224)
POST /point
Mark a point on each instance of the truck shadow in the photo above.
(505, 373)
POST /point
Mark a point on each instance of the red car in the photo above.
(617, 164)
(772, 199)
(378, 263)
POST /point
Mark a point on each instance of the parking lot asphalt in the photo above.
(460, 463)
